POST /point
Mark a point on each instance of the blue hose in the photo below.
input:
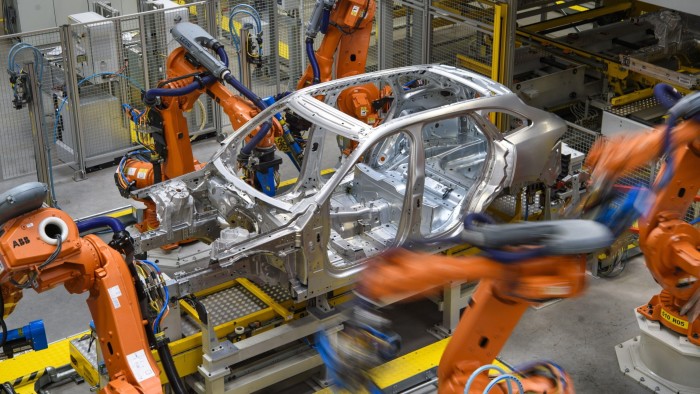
(248, 148)
(247, 93)
(312, 60)
(481, 369)
(507, 377)
(98, 222)
(151, 94)
(222, 55)
(325, 20)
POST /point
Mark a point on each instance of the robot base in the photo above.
(660, 359)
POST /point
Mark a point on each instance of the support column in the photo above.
(36, 117)
(385, 34)
(213, 15)
(69, 61)
(510, 24)
(426, 32)
(273, 42)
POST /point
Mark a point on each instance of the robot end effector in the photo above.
(196, 41)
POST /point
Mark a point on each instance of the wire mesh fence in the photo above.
(401, 33)
(580, 138)
(463, 33)
(273, 34)
(277, 59)
(41, 52)
(97, 65)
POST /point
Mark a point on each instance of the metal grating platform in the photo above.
(223, 306)
(628, 109)
(231, 304)
(278, 293)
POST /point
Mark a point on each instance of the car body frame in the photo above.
(435, 156)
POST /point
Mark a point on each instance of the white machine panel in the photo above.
(174, 14)
(96, 44)
(30, 15)
(614, 124)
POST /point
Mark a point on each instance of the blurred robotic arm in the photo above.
(670, 244)
(552, 266)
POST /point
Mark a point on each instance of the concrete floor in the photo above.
(579, 334)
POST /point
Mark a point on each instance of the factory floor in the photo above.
(579, 334)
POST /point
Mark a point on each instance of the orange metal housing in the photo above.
(85, 264)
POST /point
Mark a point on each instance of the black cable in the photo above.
(199, 308)
(54, 255)
(166, 359)
(3, 326)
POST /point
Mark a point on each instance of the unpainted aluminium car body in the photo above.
(434, 157)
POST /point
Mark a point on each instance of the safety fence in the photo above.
(87, 72)
(69, 110)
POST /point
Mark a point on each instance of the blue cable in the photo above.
(311, 54)
(235, 12)
(156, 326)
(481, 369)
(250, 10)
(38, 59)
(507, 377)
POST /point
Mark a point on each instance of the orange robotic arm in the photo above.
(670, 244)
(30, 258)
(506, 288)
(347, 37)
(501, 298)
(345, 43)
(176, 148)
(172, 142)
